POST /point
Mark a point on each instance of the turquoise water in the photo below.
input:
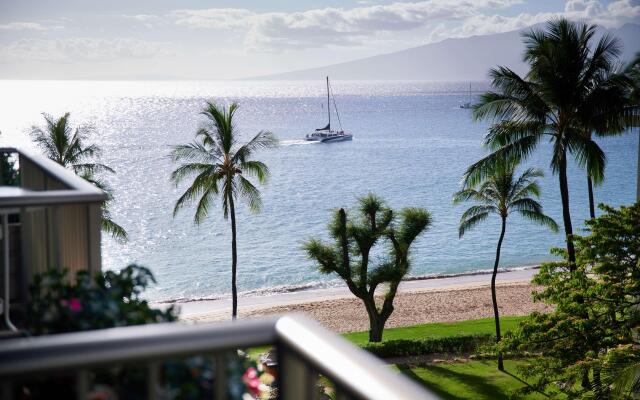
(411, 145)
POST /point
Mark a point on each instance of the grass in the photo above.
(436, 330)
(470, 379)
(432, 330)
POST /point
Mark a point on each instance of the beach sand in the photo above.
(447, 304)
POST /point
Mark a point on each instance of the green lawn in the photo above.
(435, 330)
(432, 330)
(469, 380)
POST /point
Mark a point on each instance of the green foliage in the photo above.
(66, 146)
(217, 165)
(502, 193)
(349, 255)
(9, 173)
(571, 90)
(109, 299)
(418, 347)
(596, 317)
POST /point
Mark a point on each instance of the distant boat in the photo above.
(326, 135)
(468, 103)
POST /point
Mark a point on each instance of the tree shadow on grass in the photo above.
(481, 388)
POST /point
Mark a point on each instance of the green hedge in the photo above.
(449, 344)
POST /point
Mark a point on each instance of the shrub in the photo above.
(449, 344)
(108, 299)
(111, 299)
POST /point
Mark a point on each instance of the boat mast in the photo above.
(328, 105)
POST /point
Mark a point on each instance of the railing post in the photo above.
(6, 390)
(82, 384)
(153, 380)
(294, 376)
(220, 377)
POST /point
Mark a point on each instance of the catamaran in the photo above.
(326, 135)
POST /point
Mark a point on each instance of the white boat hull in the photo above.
(330, 137)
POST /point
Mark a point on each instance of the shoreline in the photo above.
(327, 304)
(334, 283)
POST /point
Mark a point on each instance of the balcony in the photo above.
(305, 351)
(51, 218)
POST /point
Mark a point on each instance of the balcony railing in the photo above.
(305, 351)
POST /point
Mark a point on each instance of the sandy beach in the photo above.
(447, 301)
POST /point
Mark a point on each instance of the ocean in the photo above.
(412, 143)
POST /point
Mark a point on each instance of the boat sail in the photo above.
(326, 135)
(467, 104)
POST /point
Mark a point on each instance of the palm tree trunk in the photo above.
(592, 206)
(234, 261)
(496, 313)
(566, 215)
(638, 171)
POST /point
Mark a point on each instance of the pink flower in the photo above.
(252, 381)
(75, 305)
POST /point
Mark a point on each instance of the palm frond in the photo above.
(471, 222)
(255, 168)
(262, 140)
(540, 218)
(204, 182)
(589, 155)
(249, 193)
(112, 228)
(512, 152)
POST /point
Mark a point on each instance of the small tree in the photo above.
(350, 256)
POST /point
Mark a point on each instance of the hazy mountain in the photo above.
(449, 60)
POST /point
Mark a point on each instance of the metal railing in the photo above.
(68, 188)
(305, 350)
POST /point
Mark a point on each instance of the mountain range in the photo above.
(459, 59)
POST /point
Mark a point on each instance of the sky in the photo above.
(227, 39)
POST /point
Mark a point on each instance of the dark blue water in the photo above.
(411, 146)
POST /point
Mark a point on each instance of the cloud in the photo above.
(368, 23)
(23, 26)
(331, 26)
(214, 18)
(146, 20)
(617, 13)
(81, 49)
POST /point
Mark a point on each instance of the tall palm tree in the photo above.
(502, 193)
(633, 108)
(560, 92)
(612, 90)
(66, 146)
(219, 166)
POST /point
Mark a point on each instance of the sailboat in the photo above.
(326, 135)
(468, 103)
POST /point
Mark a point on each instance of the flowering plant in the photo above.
(108, 299)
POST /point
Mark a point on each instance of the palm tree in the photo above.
(612, 90)
(220, 167)
(502, 193)
(633, 109)
(562, 91)
(64, 145)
